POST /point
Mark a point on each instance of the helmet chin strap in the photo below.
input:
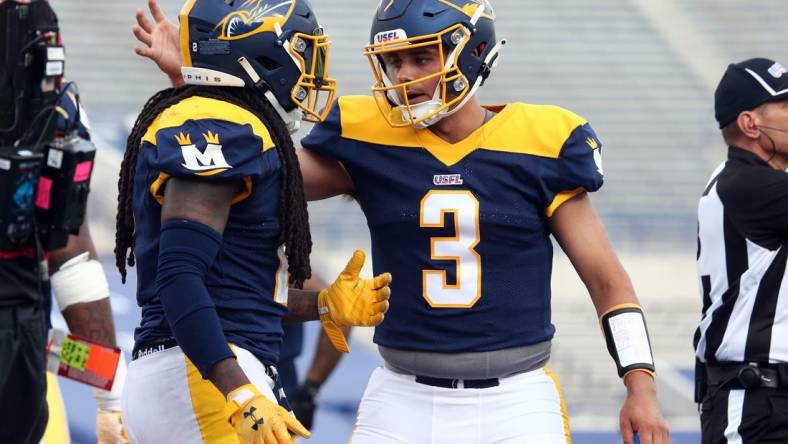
(292, 119)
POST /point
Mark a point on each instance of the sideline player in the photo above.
(29, 270)
(468, 334)
(211, 208)
(80, 287)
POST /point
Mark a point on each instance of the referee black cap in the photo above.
(746, 85)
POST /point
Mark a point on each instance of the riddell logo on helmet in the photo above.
(390, 36)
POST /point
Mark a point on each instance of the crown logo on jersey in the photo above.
(212, 138)
(183, 139)
(593, 144)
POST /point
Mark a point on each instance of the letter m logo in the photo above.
(210, 161)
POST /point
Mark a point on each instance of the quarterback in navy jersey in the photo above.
(461, 200)
(467, 223)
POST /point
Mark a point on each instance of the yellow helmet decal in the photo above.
(468, 7)
(253, 17)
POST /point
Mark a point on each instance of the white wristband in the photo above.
(79, 280)
(626, 335)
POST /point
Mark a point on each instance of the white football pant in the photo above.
(166, 400)
(525, 408)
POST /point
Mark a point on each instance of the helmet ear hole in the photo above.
(267, 63)
(479, 50)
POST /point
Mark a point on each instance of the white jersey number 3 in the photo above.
(459, 248)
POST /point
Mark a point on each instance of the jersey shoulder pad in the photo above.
(540, 130)
(362, 120)
(208, 137)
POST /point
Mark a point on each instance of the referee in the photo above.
(741, 344)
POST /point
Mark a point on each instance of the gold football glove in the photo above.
(258, 420)
(109, 429)
(351, 301)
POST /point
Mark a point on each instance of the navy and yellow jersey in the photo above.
(213, 140)
(463, 227)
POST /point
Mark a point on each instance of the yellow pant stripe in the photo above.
(57, 427)
(564, 414)
(208, 405)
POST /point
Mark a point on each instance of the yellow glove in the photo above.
(258, 420)
(351, 301)
(109, 429)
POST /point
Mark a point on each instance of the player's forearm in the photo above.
(92, 321)
(326, 359)
(608, 292)
(301, 306)
(227, 375)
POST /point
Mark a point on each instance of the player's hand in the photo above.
(352, 301)
(258, 420)
(303, 404)
(162, 42)
(641, 412)
(109, 429)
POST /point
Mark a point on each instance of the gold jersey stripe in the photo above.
(519, 128)
(560, 199)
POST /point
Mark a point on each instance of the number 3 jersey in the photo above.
(463, 227)
(211, 140)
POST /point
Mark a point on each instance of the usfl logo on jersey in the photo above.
(209, 161)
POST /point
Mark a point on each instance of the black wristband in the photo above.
(311, 388)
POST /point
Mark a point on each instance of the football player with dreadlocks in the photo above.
(467, 339)
(212, 211)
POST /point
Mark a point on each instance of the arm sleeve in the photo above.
(186, 251)
(578, 168)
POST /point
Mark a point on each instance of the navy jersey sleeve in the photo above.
(578, 167)
(580, 161)
(326, 137)
(212, 149)
(208, 139)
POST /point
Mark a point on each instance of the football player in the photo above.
(461, 200)
(212, 210)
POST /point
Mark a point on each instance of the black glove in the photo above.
(303, 403)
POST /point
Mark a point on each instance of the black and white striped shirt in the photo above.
(742, 252)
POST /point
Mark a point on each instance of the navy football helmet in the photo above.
(463, 32)
(276, 45)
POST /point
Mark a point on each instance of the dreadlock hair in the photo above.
(293, 215)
